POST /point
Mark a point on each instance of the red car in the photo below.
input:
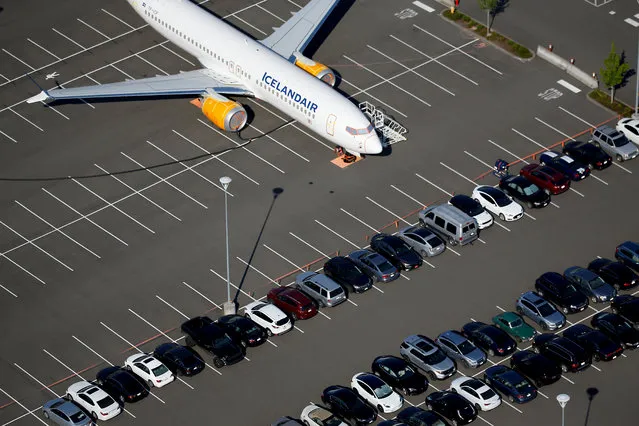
(293, 302)
(545, 177)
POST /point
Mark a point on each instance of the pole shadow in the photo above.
(592, 392)
(276, 193)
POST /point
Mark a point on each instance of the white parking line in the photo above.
(171, 306)
(37, 381)
(234, 286)
(341, 236)
(310, 245)
(408, 196)
(203, 296)
(513, 407)
(501, 309)
(595, 367)
(8, 291)
(359, 220)
(270, 13)
(94, 29)
(423, 6)
(530, 139)
(542, 394)
(257, 270)
(528, 215)
(26, 119)
(385, 80)
(36, 246)
(114, 206)
(217, 157)
(17, 59)
(165, 180)
(576, 192)
(70, 39)
(177, 54)
(25, 408)
(567, 379)
(22, 268)
(284, 258)
(388, 211)
(505, 150)
(130, 77)
(152, 64)
(427, 181)
(49, 107)
(458, 174)
(598, 178)
(47, 51)
(478, 159)
(484, 420)
(461, 51)
(367, 93)
(279, 143)
(115, 17)
(8, 137)
(250, 25)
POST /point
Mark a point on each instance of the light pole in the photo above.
(563, 399)
(229, 306)
(636, 114)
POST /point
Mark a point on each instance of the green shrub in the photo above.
(603, 98)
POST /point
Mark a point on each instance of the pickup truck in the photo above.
(204, 332)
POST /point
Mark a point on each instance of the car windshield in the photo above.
(78, 417)
(516, 323)
(501, 199)
(336, 292)
(489, 393)
(220, 341)
(435, 242)
(398, 245)
(466, 347)
(619, 140)
(569, 289)
(474, 209)
(383, 391)
(105, 402)
(351, 271)
(435, 358)
(386, 267)
(405, 372)
(159, 370)
(545, 309)
(623, 325)
(521, 385)
(596, 282)
(531, 189)
(333, 421)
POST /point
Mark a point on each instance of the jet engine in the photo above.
(320, 71)
(226, 114)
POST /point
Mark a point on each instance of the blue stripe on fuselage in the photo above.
(289, 92)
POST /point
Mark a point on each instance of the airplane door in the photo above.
(330, 124)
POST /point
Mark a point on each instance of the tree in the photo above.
(614, 72)
(490, 6)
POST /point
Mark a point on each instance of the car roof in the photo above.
(509, 316)
(551, 154)
(519, 180)
(454, 336)
(631, 245)
(582, 272)
(533, 297)
(492, 191)
(425, 233)
(422, 342)
(370, 379)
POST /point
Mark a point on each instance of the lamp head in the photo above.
(225, 181)
(563, 399)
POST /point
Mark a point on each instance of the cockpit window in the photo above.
(354, 131)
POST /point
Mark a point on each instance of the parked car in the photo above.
(347, 404)
(547, 178)
(243, 330)
(149, 369)
(626, 306)
(399, 374)
(375, 265)
(213, 338)
(525, 191)
(495, 201)
(556, 288)
(422, 240)
(572, 169)
(540, 311)
(321, 288)
(286, 421)
(478, 393)
(346, 273)
(630, 128)
(293, 302)
(391, 422)
(514, 325)
(537, 368)
(616, 274)
(590, 284)
(615, 142)
(376, 392)
(510, 383)
(65, 413)
(122, 384)
(491, 339)
(473, 209)
(269, 316)
(617, 328)
(415, 416)
(451, 406)
(569, 355)
(181, 360)
(588, 154)
(628, 254)
(396, 251)
(423, 353)
(460, 348)
(600, 346)
(99, 404)
(314, 415)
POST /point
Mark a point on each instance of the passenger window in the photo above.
(451, 228)
(323, 292)
(440, 222)
(430, 216)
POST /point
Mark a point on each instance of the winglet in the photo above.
(40, 97)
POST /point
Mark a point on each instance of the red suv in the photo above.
(546, 178)
(293, 302)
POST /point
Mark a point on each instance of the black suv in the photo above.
(569, 355)
(616, 274)
(346, 273)
(493, 341)
(616, 327)
(602, 347)
(204, 332)
(396, 251)
(554, 287)
(537, 368)
(525, 191)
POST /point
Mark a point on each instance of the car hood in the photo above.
(628, 148)
(605, 290)
(363, 412)
(444, 365)
(539, 196)
(525, 331)
(575, 299)
(630, 336)
(359, 280)
(483, 217)
(476, 355)
(555, 318)
(410, 258)
(414, 381)
(229, 350)
(512, 209)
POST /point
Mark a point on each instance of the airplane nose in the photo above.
(373, 145)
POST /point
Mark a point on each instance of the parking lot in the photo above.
(95, 269)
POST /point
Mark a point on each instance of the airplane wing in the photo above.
(296, 33)
(185, 83)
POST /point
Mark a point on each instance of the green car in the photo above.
(514, 325)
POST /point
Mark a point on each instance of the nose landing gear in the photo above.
(344, 158)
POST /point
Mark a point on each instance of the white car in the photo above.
(97, 402)
(498, 203)
(150, 369)
(376, 392)
(630, 128)
(478, 393)
(272, 318)
(313, 415)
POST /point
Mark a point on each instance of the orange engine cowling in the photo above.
(226, 114)
(320, 71)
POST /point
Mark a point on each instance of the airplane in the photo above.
(273, 70)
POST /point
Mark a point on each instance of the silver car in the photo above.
(63, 412)
(423, 353)
(590, 284)
(375, 265)
(614, 142)
(458, 347)
(422, 240)
(321, 288)
(540, 311)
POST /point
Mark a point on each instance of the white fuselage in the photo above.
(227, 51)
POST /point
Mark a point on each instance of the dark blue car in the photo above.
(510, 383)
(573, 169)
(628, 254)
